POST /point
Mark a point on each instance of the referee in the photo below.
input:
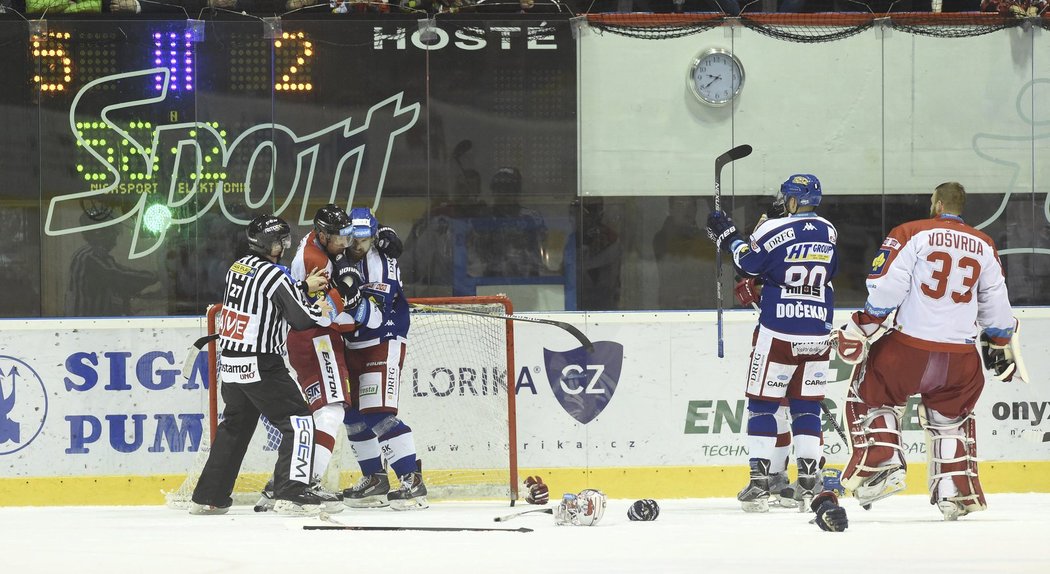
(260, 303)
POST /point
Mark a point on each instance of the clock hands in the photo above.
(715, 79)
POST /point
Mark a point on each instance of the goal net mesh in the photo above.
(456, 395)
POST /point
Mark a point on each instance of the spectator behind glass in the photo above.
(683, 253)
(428, 257)
(598, 256)
(511, 243)
(63, 6)
(98, 285)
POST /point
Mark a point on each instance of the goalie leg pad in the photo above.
(951, 445)
(876, 468)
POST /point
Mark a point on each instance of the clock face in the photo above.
(716, 77)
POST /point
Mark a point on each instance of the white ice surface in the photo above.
(900, 535)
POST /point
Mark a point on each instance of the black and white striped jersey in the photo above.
(260, 303)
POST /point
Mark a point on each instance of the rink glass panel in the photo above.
(571, 173)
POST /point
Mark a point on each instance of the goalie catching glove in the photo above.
(1003, 358)
(851, 341)
(538, 493)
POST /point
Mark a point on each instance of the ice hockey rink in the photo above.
(901, 534)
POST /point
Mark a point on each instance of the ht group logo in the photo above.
(23, 405)
(584, 382)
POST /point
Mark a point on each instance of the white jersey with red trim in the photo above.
(945, 280)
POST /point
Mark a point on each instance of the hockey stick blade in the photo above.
(739, 152)
(411, 528)
(559, 324)
(191, 354)
(517, 514)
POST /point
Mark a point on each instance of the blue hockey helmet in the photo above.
(364, 224)
(804, 187)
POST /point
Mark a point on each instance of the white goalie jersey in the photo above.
(945, 280)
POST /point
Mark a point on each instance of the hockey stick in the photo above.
(517, 514)
(740, 151)
(559, 324)
(191, 354)
(835, 424)
(412, 528)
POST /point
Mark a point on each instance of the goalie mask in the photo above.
(583, 509)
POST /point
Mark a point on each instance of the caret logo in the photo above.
(296, 171)
(584, 382)
(23, 405)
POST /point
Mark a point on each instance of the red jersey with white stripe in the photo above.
(945, 280)
(311, 255)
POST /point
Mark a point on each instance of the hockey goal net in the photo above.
(457, 394)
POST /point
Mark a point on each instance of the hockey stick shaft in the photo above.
(517, 514)
(559, 324)
(835, 423)
(734, 154)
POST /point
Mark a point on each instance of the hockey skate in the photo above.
(332, 502)
(883, 484)
(369, 492)
(806, 487)
(205, 509)
(755, 496)
(954, 507)
(781, 491)
(301, 502)
(412, 495)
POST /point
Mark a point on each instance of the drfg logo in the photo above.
(584, 382)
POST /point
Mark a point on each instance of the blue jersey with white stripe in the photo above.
(795, 257)
(382, 285)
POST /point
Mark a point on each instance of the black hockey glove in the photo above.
(830, 516)
(777, 208)
(722, 230)
(349, 287)
(388, 243)
(998, 359)
(341, 266)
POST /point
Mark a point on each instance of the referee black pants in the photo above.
(277, 397)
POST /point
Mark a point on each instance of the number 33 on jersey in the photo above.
(944, 276)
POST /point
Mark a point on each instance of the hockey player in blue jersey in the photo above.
(794, 257)
(374, 357)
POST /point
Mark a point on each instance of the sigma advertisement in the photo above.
(83, 398)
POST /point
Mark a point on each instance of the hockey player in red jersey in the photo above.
(944, 280)
(317, 354)
(795, 257)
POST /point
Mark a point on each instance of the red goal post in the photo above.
(457, 395)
